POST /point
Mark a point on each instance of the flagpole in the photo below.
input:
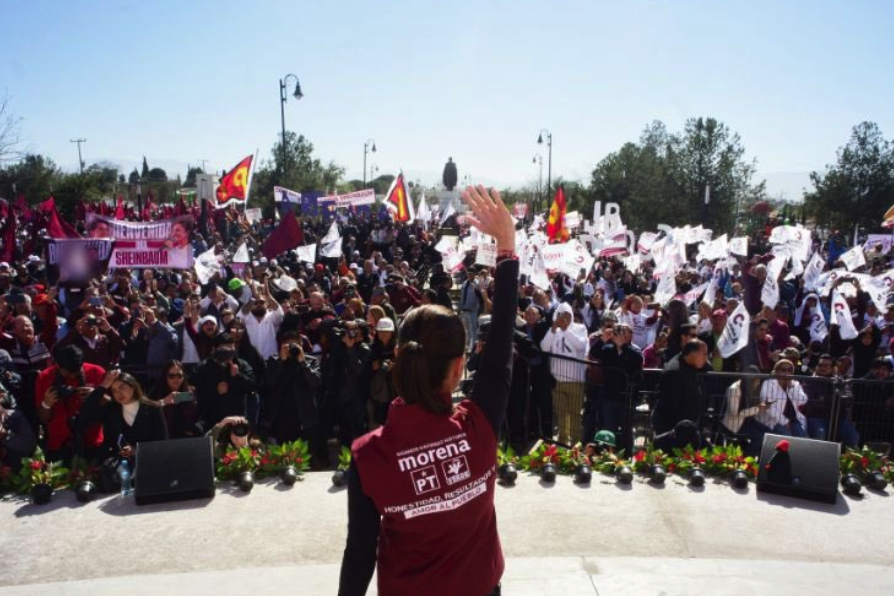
(251, 173)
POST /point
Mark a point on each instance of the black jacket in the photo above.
(213, 407)
(679, 396)
(149, 425)
(290, 379)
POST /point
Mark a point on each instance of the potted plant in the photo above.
(576, 461)
(543, 459)
(239, 465)
(729, 462)
(295, 455)
(507, 469)
(82, 478)
(688, 463)
(340, 476)
(653, 462)
(874, 468)
(40, 478)
(614, 464)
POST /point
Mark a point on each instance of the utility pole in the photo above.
(80, 159)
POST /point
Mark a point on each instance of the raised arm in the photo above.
(491, 391)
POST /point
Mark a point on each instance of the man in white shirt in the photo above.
(569, 342)
(262, 316)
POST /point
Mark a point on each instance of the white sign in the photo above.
(241, 255)
(253, 214)
(739, 246)
(307, 254)
(735, 333)
(487, 254)
(841, 316)
(854, 258)
(883, 240)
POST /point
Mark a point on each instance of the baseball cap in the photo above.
(605, 437)
(235, 284)
(385, 324)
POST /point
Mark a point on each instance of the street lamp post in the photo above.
(297, 94)
(549, 167)
(80, 159)
(539, 158)
(369, 145)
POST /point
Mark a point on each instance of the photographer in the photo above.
(381, 361)
(288, 407)
(223, 383)
(343, 366)
(17, 439)
(95, 337)
(59, 393)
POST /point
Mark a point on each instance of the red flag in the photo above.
(148, 208)
(234, 186)
(181, 206)
(80, 211)
(9, 240)
(398, 200)
(56, 226)
(555, 227)
(22, 205)
(119, 209)
(287, 235)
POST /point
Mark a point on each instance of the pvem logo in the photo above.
(456, 469)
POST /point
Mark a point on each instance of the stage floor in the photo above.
(563, 539)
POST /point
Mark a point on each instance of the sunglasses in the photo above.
(175, 375)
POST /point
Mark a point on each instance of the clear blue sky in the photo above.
(182, 81)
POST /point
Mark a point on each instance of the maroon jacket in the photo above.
(421, 487)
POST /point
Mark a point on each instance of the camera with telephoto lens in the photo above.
(294, 350)
(224, 354)
(65, 392)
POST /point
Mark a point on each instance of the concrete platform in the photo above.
(562, 539)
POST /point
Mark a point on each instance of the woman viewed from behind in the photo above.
(421, 488)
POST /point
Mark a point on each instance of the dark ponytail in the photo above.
(429, 340)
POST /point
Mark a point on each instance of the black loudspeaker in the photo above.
(809, 470)
(174, 470)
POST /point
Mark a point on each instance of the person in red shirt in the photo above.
(59, 393)
(421, 487)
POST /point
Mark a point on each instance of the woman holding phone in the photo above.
(176, 395)
(421, 486)
(126, 416)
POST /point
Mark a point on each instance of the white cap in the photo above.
(385, 324)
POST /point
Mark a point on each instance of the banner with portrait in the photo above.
(77, 261)
(145, 244)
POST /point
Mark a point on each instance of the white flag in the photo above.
(576, 257)
(307, 254)
(739, 246)
(841, 316)
(206, 265)
(331, 250)
(818, 328)
(854, 258)
(450, 210)
(332, 235)
(812, 271)
(711, 292)
(424, 213)
(770, 292)
(241, 255)
(735, 333)
(667, 287)
(539, 277)
(879, 288)
(693, 294)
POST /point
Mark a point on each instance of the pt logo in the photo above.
(425, 480)
(456, 469)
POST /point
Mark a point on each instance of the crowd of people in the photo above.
(296, 349)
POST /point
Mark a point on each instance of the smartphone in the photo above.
(96, 301)
(183, 397)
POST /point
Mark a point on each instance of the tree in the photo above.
(859, 188)
(144, 174)
(35, 177)
(302, 172)
(134, 177)
(157, 175)
(663, 178)
(10, 132)
(191, 174)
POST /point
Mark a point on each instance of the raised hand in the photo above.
(491, 216)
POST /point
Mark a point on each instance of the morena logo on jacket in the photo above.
(423, 458)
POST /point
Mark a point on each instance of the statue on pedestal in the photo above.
(450, 176)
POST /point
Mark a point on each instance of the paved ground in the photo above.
(603, 539)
